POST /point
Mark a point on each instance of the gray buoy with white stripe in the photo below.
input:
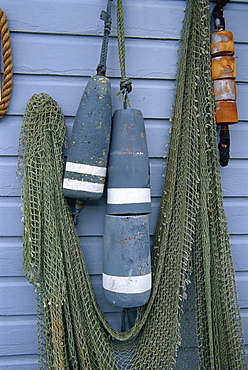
(128, 190)
(126, 274)
(86, 164)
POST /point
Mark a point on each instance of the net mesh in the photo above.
(192, 320)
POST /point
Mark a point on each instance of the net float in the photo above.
(223, 76)
(222, 43)
(224, 89)
(86, 164)
(126, 276)
(85, 170)
(128, 185)
(226, 112)
(223, 67)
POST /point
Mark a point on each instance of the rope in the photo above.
(126, 83)
(7, 64)
(218, 14)
(106, 17)
(126, 312)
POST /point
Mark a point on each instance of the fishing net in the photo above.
(192, 320)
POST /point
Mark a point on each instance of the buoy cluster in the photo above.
(224, 80)
(223, 76)
(117, 148)
(126, 251)
(126, 274)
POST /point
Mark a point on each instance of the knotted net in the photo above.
(192, 320)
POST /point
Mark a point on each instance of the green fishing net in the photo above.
(192, 320)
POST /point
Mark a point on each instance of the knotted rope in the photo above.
(126, 83)
(7, 65)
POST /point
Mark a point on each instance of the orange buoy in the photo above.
(224, 86)
(223, 76)
(226, 112)
(222, 43)
(224, 89)
(223, 67)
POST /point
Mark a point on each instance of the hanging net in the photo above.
(192, 320)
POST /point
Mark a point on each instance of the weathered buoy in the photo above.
(222, 50)
(128, 189)
(126, 274)
(224, 89)
(222, 43)
(223, 66)
(86, 164)
(223, 76)
(226, 112)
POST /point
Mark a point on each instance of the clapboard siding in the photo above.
(27, 362)
(55, 47)
(11, 213)
(161, 19)
(11, 254)
(234, 180)
(157, 131)
(24, 293)
(65, 55)
(153, 97)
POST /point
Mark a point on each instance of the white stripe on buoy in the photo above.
(85, 168)
(83, 186)
(127, 284)
(128, 195)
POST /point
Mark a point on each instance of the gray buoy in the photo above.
(86, 164)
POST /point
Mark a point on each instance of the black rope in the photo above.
(224, 146)
(126, 312)
(106, 17)
(218, 14)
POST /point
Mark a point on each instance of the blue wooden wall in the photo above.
(55, 47)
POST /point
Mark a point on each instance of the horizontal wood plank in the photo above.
(24, 294)
(237, 214)
(233, 178)
(239, 139)
(65, 55)
(11, 215)
(153, 97)
(83, 18)
(92, 247)
(239, 247)
(67, 91)
(23, 362)
(157, 130)
(10, 183)
(242, 281)
(18, 336)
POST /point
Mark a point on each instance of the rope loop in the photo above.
(7, 65)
